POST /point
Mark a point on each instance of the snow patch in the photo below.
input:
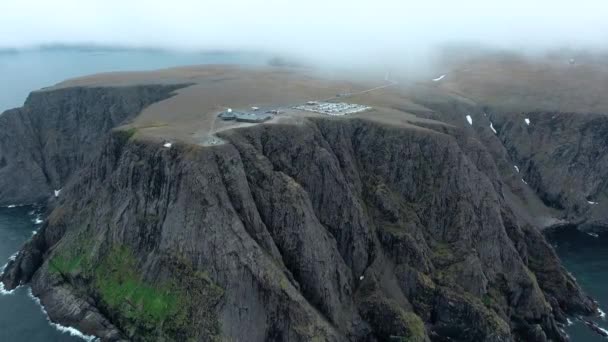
(361, 277)
(57, 192)
(470, 120)
(527, 121)
(167, 145)
(492, 128)
(438, 78)
(516, 168)
(68, 330)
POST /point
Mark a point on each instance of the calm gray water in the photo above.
(586, 257)
(21, 319)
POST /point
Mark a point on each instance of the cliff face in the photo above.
(563, 157)
(55, 132)
(328, 230)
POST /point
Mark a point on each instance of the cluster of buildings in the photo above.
(327, 108)
(252, 117)
(330, 108)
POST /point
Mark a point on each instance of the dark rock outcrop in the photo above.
(329, 230)
(57, 131)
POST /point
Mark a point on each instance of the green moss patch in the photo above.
(122, 289)
(181, 306)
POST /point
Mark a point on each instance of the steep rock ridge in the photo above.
(56, 131)
(327, 230)
(563, 158)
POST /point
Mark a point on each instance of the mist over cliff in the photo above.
(357, 33)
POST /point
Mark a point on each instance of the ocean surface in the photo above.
(21, 318)
(586, 257)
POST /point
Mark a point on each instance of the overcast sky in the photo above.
(314, 28)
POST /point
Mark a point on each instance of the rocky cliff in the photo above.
(56, 131)
(327, 230)
(564, 158)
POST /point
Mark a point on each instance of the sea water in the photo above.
(585, 256)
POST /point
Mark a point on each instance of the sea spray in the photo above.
(3, 290)
(68, 330)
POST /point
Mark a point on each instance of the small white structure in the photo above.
(167, 145)
(255, 108)
(229, 110)
(592, 203)
(470, 120)
(524, 181)
(527, 121)
(57, 192)
(438, 78)
(516, 168)
(361, 277)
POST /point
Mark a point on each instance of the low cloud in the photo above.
(356, 32)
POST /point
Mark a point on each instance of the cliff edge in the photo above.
(399, 224)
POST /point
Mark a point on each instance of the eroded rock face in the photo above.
(331, 230)
(56, 132)
(563, 159)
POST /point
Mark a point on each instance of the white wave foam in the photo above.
(603, 330)
(13, 257)
(601, 313)
(13, 205)
(68, 330)
(38, 220)
(593, 235)
(3, 290)
(569, 321)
